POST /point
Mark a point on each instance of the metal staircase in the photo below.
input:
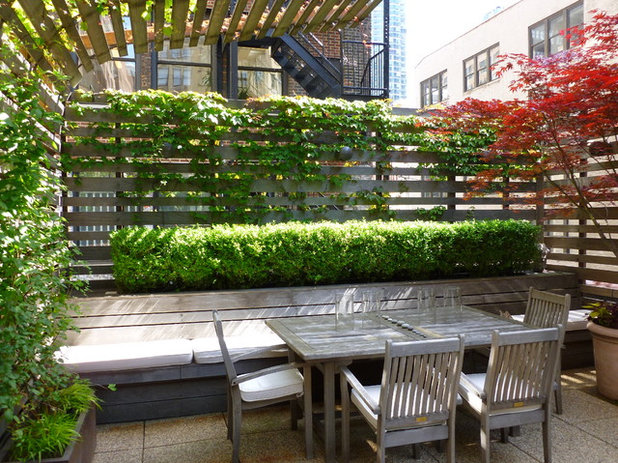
(306, 64)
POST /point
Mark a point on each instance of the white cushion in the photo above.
(478, 380)
(577, 319)
(374, 393)
(207, 350)
(272, 386)
(126, 356)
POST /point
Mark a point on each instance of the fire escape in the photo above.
(359, 73)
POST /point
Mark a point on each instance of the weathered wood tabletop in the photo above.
(321, 338)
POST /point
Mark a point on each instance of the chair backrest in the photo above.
(419, 381)
(230, 371)
(521, 367)
(547, 310)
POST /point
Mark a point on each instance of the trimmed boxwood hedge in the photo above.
(298, 254)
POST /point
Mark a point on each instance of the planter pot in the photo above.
(80, 451)
(605, 344)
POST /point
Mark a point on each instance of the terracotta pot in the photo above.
(81, 451)
(605, 344)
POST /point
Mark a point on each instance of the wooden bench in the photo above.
(188, 387)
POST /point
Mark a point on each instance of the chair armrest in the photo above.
(360, 389)
(467, 388)
(266, 371)
(258, 350)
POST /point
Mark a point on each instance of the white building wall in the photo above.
(509, 28)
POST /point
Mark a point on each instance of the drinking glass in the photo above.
(452, 298)
(344, 311)
(372, 305)
(426, 299)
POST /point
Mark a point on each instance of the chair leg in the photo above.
(294, 414)
(450, 442)
(504, 435)
(558, 396)
(485, 439)
(345, 421)
(230, 415)
(547, 435)
(236, 435)
(381, 453)
(308, 406)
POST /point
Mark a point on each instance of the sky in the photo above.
(434, 23)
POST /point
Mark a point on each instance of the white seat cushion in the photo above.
(374, 393)
(207, 350)
(478, 380)
(272, 386)
(577, 319)
(126, 356)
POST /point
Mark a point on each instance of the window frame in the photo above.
(487, 54)
(545, 22)
(441, 88)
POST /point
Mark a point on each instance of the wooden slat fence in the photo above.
(110, 188)
(575, 245)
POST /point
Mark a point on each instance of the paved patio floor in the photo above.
(587, 432)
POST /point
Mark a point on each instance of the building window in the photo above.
(258, 73)
(544, 36)
(184, 69)
(434, 89)
(477, 68)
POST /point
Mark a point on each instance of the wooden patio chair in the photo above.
(417, 398)
(516, 389)
(548, 310)
(261, 388)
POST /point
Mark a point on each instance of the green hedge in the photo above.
(297, 254)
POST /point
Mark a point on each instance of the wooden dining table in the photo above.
(326, 342)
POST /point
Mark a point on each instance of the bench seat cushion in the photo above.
(207, 350)
(126, 356)
(577, 319)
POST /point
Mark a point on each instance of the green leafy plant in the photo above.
(46, 429)
(603, 313)
(435, 213)
(295, 254)
(34, 253)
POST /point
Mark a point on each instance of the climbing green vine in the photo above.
(241, 156)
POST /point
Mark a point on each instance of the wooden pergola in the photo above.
(93, 29)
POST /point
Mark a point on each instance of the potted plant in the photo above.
(603, 325)
(58, 427)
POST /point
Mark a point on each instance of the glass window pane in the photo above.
(184, 78)
(538, 50)
(493, 58)
(556, 25)
(575, 16)
(256, 58)
(162, 77)
(199, 54)
(253, 84)
(556, 44)
(116, 75)
(537, 34)
(435, 90)
(444, 83)
(483, 76)
(425, 93)
(469, 67)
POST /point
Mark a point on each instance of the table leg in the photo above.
(329, 412)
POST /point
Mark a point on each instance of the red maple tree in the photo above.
(567, 126)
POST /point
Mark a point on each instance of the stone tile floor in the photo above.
(587, 432)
